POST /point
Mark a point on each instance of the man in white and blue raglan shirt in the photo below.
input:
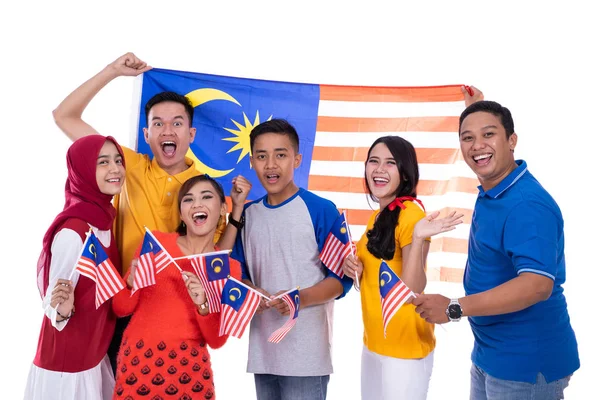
(525, 347)
(278, 247)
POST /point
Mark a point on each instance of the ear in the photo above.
(223, 209)
(192, 134)
(512, 141)
(146, 135)
(297, 160)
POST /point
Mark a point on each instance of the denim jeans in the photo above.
(486, 387)
(277, 387)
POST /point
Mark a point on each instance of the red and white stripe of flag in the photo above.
(108, 281)
(393, 301)
(145, 272)
(280, 333)
(233, 322)
(334, 253)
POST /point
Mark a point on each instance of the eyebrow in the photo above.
(175, 117)
(277, 149)
(108, 156)
(202, 192)
(484, 128)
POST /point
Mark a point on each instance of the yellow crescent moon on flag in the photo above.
(383, 281)
(92, 249)
(217, 269)
(232, 296)
(197, 98)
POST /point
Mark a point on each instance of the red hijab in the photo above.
(83, 198)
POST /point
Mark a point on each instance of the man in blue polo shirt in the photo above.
(525, 347)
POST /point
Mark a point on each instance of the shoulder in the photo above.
(411, 214)
(166, 238)
(132, 157)
(75, 224)
(315, 201)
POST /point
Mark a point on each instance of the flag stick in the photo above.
(202, 254)
(352, 251)
(164, 249)
(249, 288)
(283, 294)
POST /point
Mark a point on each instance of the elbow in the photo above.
(544, 293)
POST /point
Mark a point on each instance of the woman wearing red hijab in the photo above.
(71, 361)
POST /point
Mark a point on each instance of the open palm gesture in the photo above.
(431, 226)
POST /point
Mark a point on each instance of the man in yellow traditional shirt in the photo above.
(149, 195)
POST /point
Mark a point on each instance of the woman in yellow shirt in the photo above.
(399, 365)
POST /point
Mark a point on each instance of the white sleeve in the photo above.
(66, 248)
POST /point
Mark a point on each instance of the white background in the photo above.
(537, 59)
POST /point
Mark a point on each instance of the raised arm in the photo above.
(68, 113)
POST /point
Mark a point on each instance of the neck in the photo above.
(275, 199)
(384, 202)
(176, 169)
(193, 244)
(491, 183)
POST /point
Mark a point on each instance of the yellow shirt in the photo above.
(407, 334)
(148, 199)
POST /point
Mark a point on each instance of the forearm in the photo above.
(227, 239)
(69, 112)
(515, 295)
(413, 266)
(324, 291)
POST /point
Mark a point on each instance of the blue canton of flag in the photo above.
(225, 111)
(212, 269)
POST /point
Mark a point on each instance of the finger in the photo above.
(433, 215)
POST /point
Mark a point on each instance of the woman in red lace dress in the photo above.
(164, 352)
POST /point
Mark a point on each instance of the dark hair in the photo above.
(185, 188)
(163, 97)
(381, 239)
(280, 126)
(493, 108)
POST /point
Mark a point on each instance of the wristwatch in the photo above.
(454, 311)
(238, 224)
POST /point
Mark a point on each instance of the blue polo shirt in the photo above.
(517, 227)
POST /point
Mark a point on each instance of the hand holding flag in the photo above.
(292, 299)
(393, 291)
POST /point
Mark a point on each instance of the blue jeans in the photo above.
(277, 387)
(486, 387)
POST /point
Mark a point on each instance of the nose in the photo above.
(270, 162)
(478, 143)
(113, 167)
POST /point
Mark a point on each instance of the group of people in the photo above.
(153, 343)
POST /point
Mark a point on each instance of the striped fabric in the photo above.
(350, 119)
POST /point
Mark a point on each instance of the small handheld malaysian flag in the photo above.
(238, 305)
(212, 269)
(292, 299)
(95, 264)
(337, 247)
(394, 293)
(152, 259)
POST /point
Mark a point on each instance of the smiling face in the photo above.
(169, 135)
(201, 208)
(382, 174)
(486, 149)
(274, 160)
(110, 172)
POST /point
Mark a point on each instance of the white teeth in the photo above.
(199, 214)
(114, 180)
(481, 157)
(168, 142)
(380, 180)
